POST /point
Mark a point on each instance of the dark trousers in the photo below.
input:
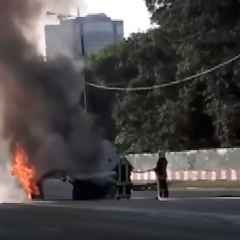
(162, 188)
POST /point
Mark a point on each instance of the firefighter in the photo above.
(161, 174)
(129, 173)
(124, 171)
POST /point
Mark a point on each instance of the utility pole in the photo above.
(85, 103)
(219, 110)
(85, 92)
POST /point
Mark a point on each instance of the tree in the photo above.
(204, 33)
(192, 36)
(145, 59)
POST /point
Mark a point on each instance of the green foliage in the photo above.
(142, 60)
(205, 33)
(193, 35)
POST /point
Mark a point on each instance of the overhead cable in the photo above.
(165, 85)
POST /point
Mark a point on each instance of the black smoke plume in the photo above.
(41, 99)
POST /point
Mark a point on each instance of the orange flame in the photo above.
(25, 172)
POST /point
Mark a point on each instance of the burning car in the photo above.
(85, 186)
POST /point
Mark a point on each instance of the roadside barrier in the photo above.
(188, 175)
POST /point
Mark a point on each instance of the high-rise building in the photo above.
(82, 36)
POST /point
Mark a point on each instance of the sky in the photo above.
(133, 12)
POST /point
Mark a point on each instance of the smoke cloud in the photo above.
(9, 188)
(41, 100)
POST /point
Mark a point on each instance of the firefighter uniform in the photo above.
(124, 184)
(161, 174)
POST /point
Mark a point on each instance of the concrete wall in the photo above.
(214, 159)
(205, 160)
(215, 164)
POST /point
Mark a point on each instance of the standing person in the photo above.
(124, 171)
(161, 174)
(129, 181)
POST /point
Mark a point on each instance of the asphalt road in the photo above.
(137, 219)
(191, 193)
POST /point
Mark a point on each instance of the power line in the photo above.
(164, 85)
